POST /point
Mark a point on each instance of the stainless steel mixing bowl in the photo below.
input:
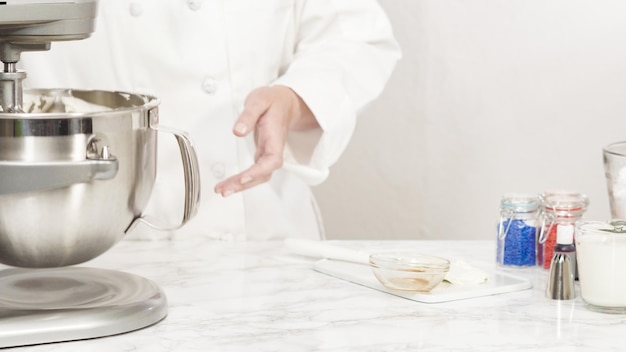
(76, 173)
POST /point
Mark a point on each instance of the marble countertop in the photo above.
(257, 296)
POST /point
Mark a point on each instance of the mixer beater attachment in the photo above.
(30, 25)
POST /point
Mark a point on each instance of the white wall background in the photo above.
(491, 97)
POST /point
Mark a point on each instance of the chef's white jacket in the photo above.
(201, 58)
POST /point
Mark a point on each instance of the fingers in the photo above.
(258, 173)
(256, 105)
(269, 158)
(266, 112)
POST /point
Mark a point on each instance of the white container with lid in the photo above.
(601, 257)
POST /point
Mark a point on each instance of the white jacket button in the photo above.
(194, 5)
(218, 170)
(135, 9)
(209, 85)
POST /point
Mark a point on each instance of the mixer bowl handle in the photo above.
(191, 169)
(19, 176)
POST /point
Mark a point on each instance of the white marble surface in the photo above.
(259, 297)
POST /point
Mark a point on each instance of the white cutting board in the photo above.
(444, 292)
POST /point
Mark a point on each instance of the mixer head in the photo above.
(31, 25)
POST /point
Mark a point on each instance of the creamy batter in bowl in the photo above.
(78, 168)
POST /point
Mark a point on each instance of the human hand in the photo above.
(270, 112)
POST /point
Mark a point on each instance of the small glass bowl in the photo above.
(409, 271)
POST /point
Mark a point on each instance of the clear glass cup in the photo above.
(615, 170)
(601, 258)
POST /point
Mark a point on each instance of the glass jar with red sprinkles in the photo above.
(558, 208)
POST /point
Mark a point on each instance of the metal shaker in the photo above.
(563, 266)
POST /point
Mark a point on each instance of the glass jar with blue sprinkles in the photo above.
(517, 230)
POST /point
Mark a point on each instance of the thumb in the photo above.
(252, 111)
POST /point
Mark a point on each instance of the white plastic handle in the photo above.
(320, 249)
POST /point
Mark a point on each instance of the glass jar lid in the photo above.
(520, 202)
(565, 202)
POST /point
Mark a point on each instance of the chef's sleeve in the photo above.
(345, 53)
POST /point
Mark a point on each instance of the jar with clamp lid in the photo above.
(517, 230)
(559, 208)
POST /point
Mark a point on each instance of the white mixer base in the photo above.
(73, 303)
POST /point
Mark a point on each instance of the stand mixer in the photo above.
(73, 182)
